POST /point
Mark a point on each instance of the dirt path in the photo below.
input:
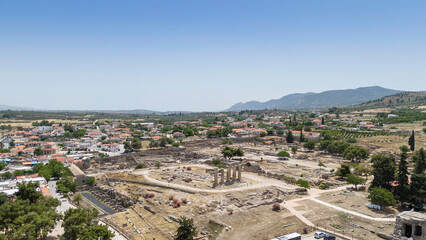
(264, 182)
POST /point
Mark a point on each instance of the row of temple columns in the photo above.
(234, 169)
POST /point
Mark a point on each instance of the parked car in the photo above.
(319, 235)
(329, 237)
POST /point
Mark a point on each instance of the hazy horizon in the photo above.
(203, 56)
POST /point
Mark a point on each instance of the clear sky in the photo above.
(203, 55)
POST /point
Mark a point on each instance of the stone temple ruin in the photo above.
(410, 225)
(233, 174)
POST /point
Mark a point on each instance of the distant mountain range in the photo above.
(14, 108)
(311, 101)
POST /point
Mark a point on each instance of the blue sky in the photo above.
(203, 55)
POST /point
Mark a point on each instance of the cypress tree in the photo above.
(411, 141)
(301, 135)
(289, 138)
(420, 165)
(402, 175)
(322, 121)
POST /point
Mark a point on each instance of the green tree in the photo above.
(418, 185)
(90, 181)
(411, 141)
(127, 145)
(355, 180)
(81, 223)
(28, 191)
(402, 174)
(3, 198)
(77, 199)
(302, 183)
(343, 171)
(23, 219)
(38, 152)
(136, 144)
(381, 197)
(2, 165)
(323, 145)
(289, 138)
(383, 170)
(186, 229)
(283, 154)
(294, 149)
(420, 163)
(364, 168)
(355, 153)
(310, 145)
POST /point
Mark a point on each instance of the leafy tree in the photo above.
(186, 229)
(3, 198)
(355, 180)
(310, 145)
(283, 154)
(364, 168)
(38, 152)
(355, 153)
(227, 141)
(28, 191)
(163, 142)
(77, 199)
(411, 141)
(343, 171)
(90, 181)
(323, 145)
(136, 144)
(229, 152)
(169, 140)
(2, 165)
(289, 138)
(81, 223)
(381, 197)
(7, 175)
(338, 147)
(420, 164)
(66, 185)
(127, 145)
(23, 219)
(383, 170)
(418, 185)
(294, 149)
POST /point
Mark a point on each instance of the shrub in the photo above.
(302, 183)
(276, 207)
(283, 154)
(216, 161)
(324, 186)
(140, 165)
(157, 164)
(321, 164)
(184, 200)
(188, 180)
(351, 140)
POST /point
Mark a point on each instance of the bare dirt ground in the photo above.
(356, 201)
(339, 222)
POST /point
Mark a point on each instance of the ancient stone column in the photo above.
(222, 176)
(228, 174)
(215, 178)
(240, 168)
(234, 173)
